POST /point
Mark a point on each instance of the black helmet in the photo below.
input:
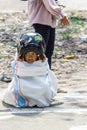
(31, 42)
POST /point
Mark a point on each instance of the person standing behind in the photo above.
(43, 15)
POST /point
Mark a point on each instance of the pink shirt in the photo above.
(44, 12)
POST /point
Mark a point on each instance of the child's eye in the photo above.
(34, 53)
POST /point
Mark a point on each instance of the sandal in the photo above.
(5, 79)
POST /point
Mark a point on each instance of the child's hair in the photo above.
(31, 42)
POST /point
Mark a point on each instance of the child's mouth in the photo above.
(30, 61)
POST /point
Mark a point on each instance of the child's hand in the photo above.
(43, 58)
(65, 21)
(19, 59)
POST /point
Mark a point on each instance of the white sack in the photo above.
(33, 84)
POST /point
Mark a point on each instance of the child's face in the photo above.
(30, 57)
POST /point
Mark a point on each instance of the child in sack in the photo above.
(33, 84)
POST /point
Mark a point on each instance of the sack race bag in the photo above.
(32, 85)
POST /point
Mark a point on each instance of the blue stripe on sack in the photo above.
(15, 78)
(21, 102)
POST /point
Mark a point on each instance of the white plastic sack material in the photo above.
(33, 84)
(38, 69)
